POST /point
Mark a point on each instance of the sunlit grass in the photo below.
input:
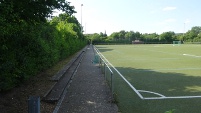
(165, 69)
(193, 88)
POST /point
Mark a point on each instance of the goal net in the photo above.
(176, 43)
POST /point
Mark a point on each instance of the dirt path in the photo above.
(88, 92)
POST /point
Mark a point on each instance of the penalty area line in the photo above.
(144, 91)
(192, 55)
(172, 97)
(165, 97)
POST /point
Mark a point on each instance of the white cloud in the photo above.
(169, 8)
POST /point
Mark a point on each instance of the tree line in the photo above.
(30, 43)
(191, 36)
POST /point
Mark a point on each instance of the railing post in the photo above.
(112, 87)
(101, 65)
(99, 62)
(34, 104)
(104, 71)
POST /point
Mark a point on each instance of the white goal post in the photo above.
(176, 43)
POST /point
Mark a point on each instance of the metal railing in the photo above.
(106, 70)
(123, 92)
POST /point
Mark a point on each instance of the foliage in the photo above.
(167, 36)
(126, 37)
(153, 37)
(96, 38)
(32, 10)
(170, 111)
(193, 35)
(29, 44)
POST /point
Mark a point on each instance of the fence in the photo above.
(124, 94)
(105, 69)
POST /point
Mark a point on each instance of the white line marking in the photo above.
(144, 91)
(135, 90)
(191, 55)
(173, 97)
(178, 69)
(165, 69)
(164, 97)
(169, 58)
(138, 91)
(160, 52)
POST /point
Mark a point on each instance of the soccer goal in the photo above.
(176, 43)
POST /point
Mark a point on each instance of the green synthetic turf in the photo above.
(165, 69)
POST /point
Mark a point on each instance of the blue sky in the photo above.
(145, 16)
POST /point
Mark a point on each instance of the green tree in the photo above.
(153, 37)
(32, 10)
(72, 22)
(122, 34)
(193, 34)
(130, 35)
(101, 34)
(29, 43)
(179, 36)
(168, 36)
(138, 35)
(114, 36)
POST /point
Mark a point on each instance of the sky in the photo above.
(144, 16)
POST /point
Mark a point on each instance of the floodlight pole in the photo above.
(81, 19)
(184, 28)
(85, 28)
(183, 32)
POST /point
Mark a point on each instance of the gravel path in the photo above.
(88, 92)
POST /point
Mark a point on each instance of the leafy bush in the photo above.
(27, 49)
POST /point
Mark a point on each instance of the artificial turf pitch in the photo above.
(171, 71)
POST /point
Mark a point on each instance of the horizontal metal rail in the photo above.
(130, 85)
(106, 66)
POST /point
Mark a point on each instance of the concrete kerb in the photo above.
(68, 85)
(61, 74)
